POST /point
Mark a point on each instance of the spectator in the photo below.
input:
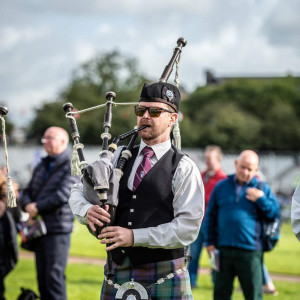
(210, 176)
(268, 285)
(295, 212)
(47, 195)
(8, 233)
(233, 226)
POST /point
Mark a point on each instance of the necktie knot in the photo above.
(148, 152)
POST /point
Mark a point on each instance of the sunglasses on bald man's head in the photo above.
(153, 111)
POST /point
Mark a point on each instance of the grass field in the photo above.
(84, 280)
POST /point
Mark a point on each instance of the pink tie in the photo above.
(144, 167)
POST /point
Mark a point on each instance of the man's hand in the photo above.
(116, 236)
(252, 194)
(210, 248)
(31, 209)
(96, 216)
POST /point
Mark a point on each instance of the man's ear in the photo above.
(235, 163)
(172, 118)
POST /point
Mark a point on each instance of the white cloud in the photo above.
(228, 36)
(241, 37)
(104, 29)
(83, 51)
(10, 36)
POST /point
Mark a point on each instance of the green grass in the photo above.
(283, 259)
(84, 280)
(287, 290)
(85, 244)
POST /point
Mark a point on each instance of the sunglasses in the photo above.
(153, 111)
(48, 138)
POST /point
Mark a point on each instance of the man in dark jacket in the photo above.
(47, 195)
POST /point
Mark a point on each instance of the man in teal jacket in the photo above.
(233, 225)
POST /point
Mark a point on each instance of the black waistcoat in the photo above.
(150, 205)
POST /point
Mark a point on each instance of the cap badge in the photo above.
(169, 95)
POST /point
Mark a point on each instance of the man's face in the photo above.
(53, 141)
(159, 127)
(211, 161)
(246, 168)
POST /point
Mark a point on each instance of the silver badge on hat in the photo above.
(169, 95)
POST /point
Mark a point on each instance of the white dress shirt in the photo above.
(188, 203)
(295, 212)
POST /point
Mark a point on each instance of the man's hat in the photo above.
(161, 92)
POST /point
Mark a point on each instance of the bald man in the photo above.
(233, 226)
(47, 195)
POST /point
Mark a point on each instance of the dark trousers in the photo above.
(51, 255)
(244, 264)
(2, 288)
(195, 252)
(2, 258)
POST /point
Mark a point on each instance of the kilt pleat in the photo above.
(176, 288)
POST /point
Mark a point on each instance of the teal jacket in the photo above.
(232, 220)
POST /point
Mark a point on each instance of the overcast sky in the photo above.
(41, 42)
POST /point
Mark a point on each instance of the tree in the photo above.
(236, 114)
(224, 125)
(244, 113)
(90, 83)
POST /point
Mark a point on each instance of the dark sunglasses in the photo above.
(153, 111)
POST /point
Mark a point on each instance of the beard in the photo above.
(147, 136)
(152, 132)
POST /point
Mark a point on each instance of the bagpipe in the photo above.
(10, 192)
(101, 179)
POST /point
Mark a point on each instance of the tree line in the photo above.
(236, 114)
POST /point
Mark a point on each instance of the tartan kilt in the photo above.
(176, 288)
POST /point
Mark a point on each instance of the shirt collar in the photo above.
(237, 183)
(159, 149)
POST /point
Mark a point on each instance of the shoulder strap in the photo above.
(260, 185)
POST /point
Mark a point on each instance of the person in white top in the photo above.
(295, 212)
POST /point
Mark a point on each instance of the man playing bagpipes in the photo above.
(160, 208)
